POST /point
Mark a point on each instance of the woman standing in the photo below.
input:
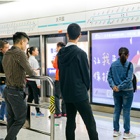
(120, 80)
(32, 84)
(57, 94)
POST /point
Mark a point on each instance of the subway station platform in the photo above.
(103, 122)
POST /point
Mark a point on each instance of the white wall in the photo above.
(42, 17)
(29, 9)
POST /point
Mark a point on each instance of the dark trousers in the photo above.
(57, 99)
(34, 94)
(16, 111)
(85, 111)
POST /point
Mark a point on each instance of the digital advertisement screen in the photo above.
(105, 46)
(51, 53)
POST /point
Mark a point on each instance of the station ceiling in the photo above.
(6, 1)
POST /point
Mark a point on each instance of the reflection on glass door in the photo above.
(84, 46)
(83, 43)
(51, 44)
(51, 53)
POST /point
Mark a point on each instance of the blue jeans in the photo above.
(3, 106)
(122, 100)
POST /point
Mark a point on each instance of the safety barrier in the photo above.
(50, 106)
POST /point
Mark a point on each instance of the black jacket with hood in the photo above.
(74, 74)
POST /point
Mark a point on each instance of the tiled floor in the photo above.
(103, 122)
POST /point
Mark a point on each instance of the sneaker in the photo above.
(116, 133)
(2, 122)
(56, 116)
(128, 136)
(39, 114)
(59, 116)
(1, 119)
(64, 115)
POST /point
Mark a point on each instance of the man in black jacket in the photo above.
(4, 46)
(75, 82)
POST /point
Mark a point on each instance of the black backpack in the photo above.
(134, 80)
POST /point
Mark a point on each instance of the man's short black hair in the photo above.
(73, 30)
(19, 36)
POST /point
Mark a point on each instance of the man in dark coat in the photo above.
(75, 82)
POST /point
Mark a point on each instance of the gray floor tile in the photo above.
(103, 122)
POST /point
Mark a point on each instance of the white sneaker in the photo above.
(116, 133)
(128, 136)
(3, 122)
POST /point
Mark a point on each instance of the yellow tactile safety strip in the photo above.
(52, 105)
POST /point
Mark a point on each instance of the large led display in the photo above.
(105, 47)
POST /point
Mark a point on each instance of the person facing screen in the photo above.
(120, 80)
